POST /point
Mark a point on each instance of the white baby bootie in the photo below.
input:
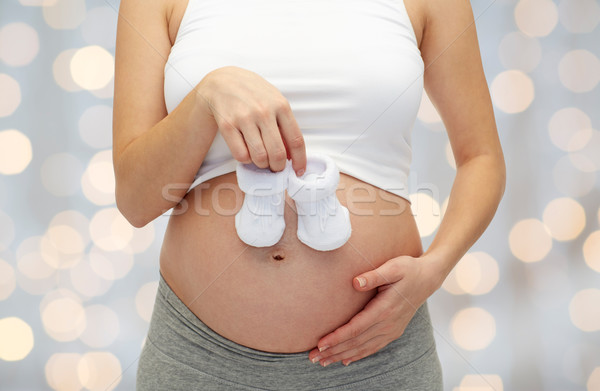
(323, 223)
(260, 221)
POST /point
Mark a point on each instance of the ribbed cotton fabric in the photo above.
(350, 69)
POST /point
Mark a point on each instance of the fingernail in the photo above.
(361, 281)
(300, 172)
(327, 362)
(347, 363)
(323, 348)
(316, 359)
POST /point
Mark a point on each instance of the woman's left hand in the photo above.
(403, 284)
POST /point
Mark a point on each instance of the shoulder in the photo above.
(152, 15)
(157, 9)
(445, 22)
(446, 14)
(444, 10)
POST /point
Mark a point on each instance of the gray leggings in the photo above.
(182, 353)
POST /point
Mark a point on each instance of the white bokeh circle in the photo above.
(512, 91)
(565, 218)
(16, 339)
(19, 44)
(580, 16)
(426, 211)
(15, 152)
(579, 70)
(144, 300)
(62, 72)
(64, 14)
(530, 240)
(570, 128)
(92, 67)
(10, 98)
(473, 328)
(585, 311)
(536, 18)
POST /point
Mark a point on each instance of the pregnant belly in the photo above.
(286, 297)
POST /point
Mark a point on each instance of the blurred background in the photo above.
(521, 311)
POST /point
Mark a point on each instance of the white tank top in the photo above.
(350, 69)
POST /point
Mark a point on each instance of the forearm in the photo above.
(474, 198)
(162, 160)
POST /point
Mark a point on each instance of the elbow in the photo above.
(502, 174)
(491, 168)
(503, 188)
(135, 219)
(495, 166)
(497, 173)
(127, 200)
(128, 210)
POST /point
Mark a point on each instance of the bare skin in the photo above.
(281, 298)
(290, 298)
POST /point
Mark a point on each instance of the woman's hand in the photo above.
(403, 284)
(254, 118)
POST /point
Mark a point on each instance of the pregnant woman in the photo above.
(201, 85)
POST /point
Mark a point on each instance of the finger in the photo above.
(271, 137)
(359, 323)
(352, 343)
(235, 141)
(314, 356)
(292, 138)
(360, 354)
(369, 347)
(257, 150)
(388, 273)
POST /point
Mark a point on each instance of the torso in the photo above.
(282, 298)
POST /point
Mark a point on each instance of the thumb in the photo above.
(387, 273)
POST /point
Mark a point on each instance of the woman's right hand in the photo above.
(254, 118)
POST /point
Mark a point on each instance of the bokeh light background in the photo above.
(521, 311)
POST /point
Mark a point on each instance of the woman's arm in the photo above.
(152, 151)
(156, 155)
(455, 82)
